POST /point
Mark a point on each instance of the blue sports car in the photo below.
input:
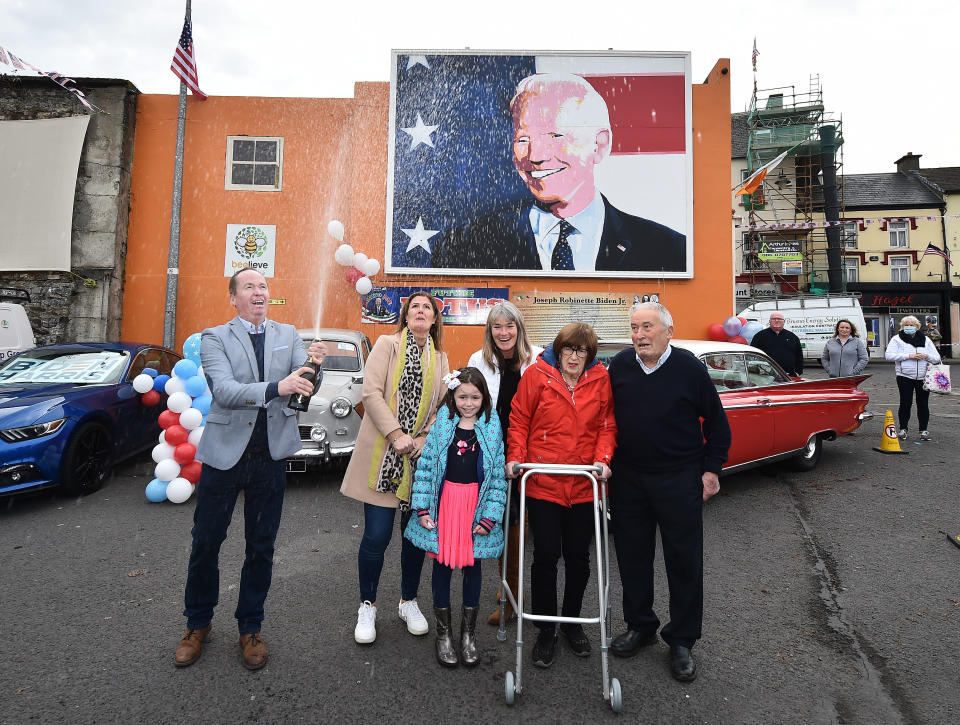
(69, 412)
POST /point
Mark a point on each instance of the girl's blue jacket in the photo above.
(431, 471)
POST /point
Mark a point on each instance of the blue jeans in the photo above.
(472, 583)
(377, 530)
(263, 482)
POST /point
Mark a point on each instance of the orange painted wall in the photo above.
(334, 167)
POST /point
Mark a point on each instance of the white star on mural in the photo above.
(413, 60)
(419, 236)
(420, 133)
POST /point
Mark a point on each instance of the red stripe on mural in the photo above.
(647, 112)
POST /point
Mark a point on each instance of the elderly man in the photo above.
(666, 464)
(561, 131)
(252, 365)
(780, 344)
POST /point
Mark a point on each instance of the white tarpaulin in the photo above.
(38, 177)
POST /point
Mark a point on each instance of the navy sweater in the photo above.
(658, 415)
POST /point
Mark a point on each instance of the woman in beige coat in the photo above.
(402, 389)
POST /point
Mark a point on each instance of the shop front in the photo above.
(884, 305)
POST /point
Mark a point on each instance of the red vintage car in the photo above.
(772, 416)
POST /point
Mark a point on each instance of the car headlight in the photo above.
(318, 434)
(27, 432)
(340, 408)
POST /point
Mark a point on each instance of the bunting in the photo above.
(859, 220)
(7, 57)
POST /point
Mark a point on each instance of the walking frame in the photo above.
(513, 684)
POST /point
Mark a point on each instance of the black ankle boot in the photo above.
(468, 637)
(446, 652)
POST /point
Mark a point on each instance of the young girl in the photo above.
(459, 493)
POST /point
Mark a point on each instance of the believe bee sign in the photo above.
(250, 245)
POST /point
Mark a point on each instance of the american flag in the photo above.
(184, 65)
(754, 55)
(934, 249)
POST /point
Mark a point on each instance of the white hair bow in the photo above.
(452, 379)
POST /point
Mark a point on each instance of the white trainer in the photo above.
(411, 614)
(924, 436)
(366, 629)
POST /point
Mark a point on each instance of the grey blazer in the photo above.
(230, 365)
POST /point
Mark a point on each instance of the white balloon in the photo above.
(167, 470)
(191, 418)
(344, 255)
(161, 452)
(335, 229)
(179, 402)
(174, 385)
(163, 436)
(179, 490)
(142, 383)
(360, 261)
(371, 267)
(364, 285)
(195, 436)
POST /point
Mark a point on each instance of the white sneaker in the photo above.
(366, 629)
(924, 435)
(903, 433)
(411, 614)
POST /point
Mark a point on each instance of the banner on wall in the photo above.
(544, 313)
(461, 305)
(602, 139)
(250, 245)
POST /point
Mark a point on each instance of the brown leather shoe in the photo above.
(254, 651)
(190, 647)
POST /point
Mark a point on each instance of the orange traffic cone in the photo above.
(889, 443)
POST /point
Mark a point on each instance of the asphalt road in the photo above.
(831, 597)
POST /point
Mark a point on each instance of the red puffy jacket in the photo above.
(549, 425)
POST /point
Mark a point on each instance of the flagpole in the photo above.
(173, 254)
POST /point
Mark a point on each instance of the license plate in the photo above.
(296, 466)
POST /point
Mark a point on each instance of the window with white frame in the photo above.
(851, 269)
(254, 163)
(898, 235)
(899, 269)
(850, 230)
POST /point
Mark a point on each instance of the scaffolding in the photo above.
(783, 119)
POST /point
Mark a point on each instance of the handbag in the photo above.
(937, 378)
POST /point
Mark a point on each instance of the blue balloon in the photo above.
(191, 348)
(202, 404)
(159, 382)
(185, 369)
(750, 329)
(156, 491)
(195, 386)
(152, 372)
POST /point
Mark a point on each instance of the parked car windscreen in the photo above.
(341, 357)
(94, 367)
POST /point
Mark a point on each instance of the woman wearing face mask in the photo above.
(911, 350)
(844, 354)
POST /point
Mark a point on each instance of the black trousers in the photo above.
(672, 502)
(907, 387)
(559, 531)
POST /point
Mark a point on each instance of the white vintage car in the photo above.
(329, 428)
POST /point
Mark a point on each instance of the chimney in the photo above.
(908, 163)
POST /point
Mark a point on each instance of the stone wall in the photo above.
(87, 304)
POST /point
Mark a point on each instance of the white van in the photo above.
(812, 318)
(16, 334)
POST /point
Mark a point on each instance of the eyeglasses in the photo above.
(578, 351)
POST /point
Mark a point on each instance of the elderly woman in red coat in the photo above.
(562, 413)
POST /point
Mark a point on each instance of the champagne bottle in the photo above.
(299, 401)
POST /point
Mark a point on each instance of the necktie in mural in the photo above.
(562, 257)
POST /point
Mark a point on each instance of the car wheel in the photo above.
(810, 456)
(86, 461)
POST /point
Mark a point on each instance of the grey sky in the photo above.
(886, 67)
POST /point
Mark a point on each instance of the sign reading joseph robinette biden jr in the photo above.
(574, 163)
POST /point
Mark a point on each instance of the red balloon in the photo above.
(743, 320)
(190, 470)
(176, 434)
(167, 418)
(150, 398)
(739, 339)
(353, 275)
(184, 453)
(715, 332)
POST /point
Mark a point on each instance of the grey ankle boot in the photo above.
(468, 637)
(446, 652)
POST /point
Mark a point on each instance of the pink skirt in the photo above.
(458, 504)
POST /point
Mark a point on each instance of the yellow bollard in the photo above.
(889, 443)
